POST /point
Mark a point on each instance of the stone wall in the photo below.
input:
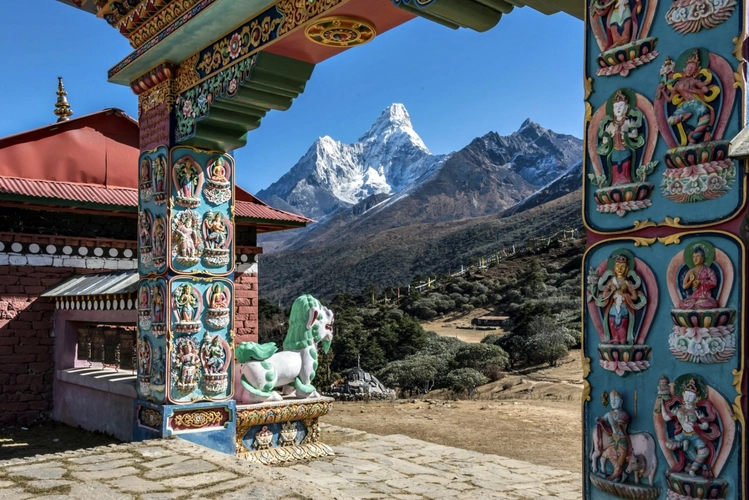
(26, 342)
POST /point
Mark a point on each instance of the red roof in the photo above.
(93, 160)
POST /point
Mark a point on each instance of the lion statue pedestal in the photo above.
(282, 426)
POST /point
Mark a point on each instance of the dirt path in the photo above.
(532, 416)
(541, 432)
(460, 327)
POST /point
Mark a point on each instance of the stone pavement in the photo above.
(366, 466)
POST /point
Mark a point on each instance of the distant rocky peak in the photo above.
(393, 118)
(531, 129)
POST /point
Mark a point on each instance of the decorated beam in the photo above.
(665, 271)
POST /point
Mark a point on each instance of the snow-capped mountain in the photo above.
(386, 158)
(389, 179)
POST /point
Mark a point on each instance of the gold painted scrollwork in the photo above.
(642, 224)
(198, 419)
(644, 242)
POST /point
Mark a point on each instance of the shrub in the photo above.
(479, 356)
(549, 344)
(465, 380)
(492, 338)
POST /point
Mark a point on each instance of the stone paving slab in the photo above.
(365, 466)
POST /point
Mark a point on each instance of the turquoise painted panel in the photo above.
(201, 346)
(663, 336)
(152, 213)
(201, 212)
(152, 345)
(667, 96)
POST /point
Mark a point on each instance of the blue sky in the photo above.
(456, 85)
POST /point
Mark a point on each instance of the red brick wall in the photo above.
(26, 342)
(245, 299)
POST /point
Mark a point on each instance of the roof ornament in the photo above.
(62, 107)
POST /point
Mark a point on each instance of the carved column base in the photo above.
(281, 432)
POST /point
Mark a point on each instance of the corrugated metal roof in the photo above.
(84, 193)
(116, 282)
(258, 211)
(127, 197)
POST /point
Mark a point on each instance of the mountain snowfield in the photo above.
(386, 159)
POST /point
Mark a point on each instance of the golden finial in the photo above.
(62, 107)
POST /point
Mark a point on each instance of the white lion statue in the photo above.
(260, 369)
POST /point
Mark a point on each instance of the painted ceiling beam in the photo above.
(478, 15)
(227, 113)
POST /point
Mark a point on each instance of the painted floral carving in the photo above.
(218, 235)
(217, 185)
(700, 280)
(621, 30)
(620, 459)
(145, 225)
(695, 429)
(218, 297)
(195, 104)
(621, 140)
(693, 104)
(188, 182)
(690, 16)
(215, 355)
(145, 184)
(622, 298)
(187, 306)
(185, 365)
(187, 240)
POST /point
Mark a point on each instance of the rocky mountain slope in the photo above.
(395, 256)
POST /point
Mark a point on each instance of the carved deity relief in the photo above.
(144, 307)
(188, 182)
(215, 355)
(621, 139)
(217, 184)
(144, 366)
(700, 280)
(695, 429)
(145, 183)
(185, 365)
(217, 233)
(159, 242)
(218, 298)
(187, 307)
(621, 29)
(158, 314)
(158, 370)
(622, 463)
(159, 176)
(145, 238)
(187, 240)
(690, 16)
(693, 104)
(622, 297)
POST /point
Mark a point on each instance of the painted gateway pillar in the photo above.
(191, 115)
(665, 278)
